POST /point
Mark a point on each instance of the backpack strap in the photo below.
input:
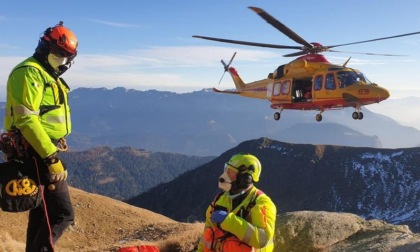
(244, 212)
(213, 204)
(216, 198)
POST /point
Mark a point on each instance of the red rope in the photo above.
(41, 187)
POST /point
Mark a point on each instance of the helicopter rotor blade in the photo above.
(281, 27)
(295, 54)
(230, 61)
(379, 54)
(239, 42)
(371, 40)
(306, 48)
(221, 77)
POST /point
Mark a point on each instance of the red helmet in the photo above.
(61, 40)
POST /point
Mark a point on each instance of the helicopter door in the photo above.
(318, 80)
(328, 90)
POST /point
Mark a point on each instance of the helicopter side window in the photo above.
(285, 87)
(318, 82)
(330, 82)
(276, 89)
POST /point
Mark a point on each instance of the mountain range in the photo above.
(373, 183)
(205, 123)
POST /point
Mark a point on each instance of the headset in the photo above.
(244, 179)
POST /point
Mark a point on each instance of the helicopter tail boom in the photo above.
(236, 79)
(240, 85)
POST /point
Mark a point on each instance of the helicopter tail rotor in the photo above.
(226, 66)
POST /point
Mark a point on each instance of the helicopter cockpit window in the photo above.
(346, 78)
(362, 77)
(318, 83)
(330, 82)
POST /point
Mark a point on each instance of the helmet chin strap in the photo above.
(241, 192)
(233, 196)
(63, 68)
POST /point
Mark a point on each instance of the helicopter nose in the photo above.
(383, 94)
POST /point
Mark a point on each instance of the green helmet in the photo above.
(246, 163)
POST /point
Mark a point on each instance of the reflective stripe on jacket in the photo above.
(37, 105)
(253, 232)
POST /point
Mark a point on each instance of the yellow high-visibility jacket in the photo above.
(256, 229)
(37, 105)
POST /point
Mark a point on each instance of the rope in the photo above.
(45, 205)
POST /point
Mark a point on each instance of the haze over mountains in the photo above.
(205, 123)
(404, 110)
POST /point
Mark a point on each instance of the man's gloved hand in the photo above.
(58, 171)
(218, 216)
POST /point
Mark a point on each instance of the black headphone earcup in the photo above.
(48, 31)
(245, 180)
(43, 46)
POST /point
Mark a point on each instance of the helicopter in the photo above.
(309, 82)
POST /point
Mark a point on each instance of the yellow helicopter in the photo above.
(310, 82)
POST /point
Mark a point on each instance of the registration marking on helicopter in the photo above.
(363, 91)
(259, 89)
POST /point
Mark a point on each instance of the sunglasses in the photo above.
(60, 52)
(229, 166)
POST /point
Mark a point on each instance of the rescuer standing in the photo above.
(37, 108)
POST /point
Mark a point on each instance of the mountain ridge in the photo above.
(123, 172)
(373, 183)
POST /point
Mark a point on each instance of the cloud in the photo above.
(178, 69)
(203, 55)
(8, 46)
(113, 24)
(157, 67)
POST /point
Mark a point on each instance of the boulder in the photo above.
(329, 232)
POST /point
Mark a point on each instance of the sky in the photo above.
(147, 45)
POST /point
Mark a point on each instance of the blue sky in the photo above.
(148, 44)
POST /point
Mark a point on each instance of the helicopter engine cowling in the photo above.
(296, 67)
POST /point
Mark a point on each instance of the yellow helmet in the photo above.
(246, 164)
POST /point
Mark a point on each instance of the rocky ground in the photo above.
(333, 232)
(104, 224)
